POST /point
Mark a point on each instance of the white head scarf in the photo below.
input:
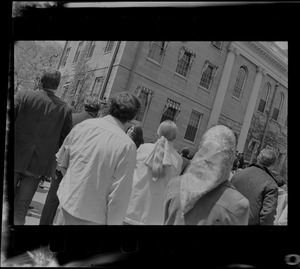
(210, 166)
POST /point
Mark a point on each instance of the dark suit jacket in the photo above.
(42, 121)
(81, 116)
(258, 185)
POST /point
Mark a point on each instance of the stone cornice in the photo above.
(254, 55)
(271, 54)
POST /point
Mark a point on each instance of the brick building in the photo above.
(242, 85)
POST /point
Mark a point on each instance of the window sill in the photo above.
(106, 52)
(154, 62)
(180, 76)
(204, 89)
(261, 113)
(189, 142)
(237, 99)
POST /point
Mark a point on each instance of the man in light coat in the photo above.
(97, 159)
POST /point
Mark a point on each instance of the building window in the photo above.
(217, 44)
(91, 49)
(240, 82)
(78, 52)
(64, 61)
(252, 149)
(157, 51)
(97, 85)
(278, 107)
(145, 96)
(192, 128)
(171, 111)
(265, 97)
(109, 46)
(208, 73)
(185, 61)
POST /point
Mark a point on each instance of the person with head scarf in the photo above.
(156, 164)
(135, 132)
(204, 195)
(259, 186)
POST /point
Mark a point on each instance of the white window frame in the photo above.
(171, 104)
(279, 108)
(107, 46)
(213, 43)
(244, 82)
(78, 51)
(66, 55)
(139, 90)
(91, 48)
(157, 47)
(198, 127)
(267, 97)
(214, 72)
(182, 52)
(95, 81)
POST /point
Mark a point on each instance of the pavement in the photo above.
(38, 202)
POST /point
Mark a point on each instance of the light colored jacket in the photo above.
(147, 199)
(99, 158)
(281, 210)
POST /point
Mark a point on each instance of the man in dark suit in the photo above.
(92, 105)
(259, 186)
(42, 121)
(186, 160)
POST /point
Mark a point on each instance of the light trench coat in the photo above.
(146, 206)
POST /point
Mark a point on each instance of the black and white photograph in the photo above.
(132, 136)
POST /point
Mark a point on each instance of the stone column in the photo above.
(222, 88)
(250, 109)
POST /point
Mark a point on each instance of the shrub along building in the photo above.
(242, 85)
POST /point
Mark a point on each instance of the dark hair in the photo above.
(92, 103)
(185, 152)
(267, 157)
(124, 106)
(50, 78)
(136, 135)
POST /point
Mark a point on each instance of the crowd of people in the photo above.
(103, 173)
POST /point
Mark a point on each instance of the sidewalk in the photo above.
(38, 202)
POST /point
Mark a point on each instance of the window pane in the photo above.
(206, 77)
(109, 46)
(143, 98)
(217, 44)
(192, 127)
(275, 114)
(169, 114)
(183, 64)
(92, 47)
(156, 51)
(261, 107)
(77, 52)
(239, 82)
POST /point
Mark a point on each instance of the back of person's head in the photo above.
(185, 152)
(215, 154)
(136, 134)
(267, 157)
(166, 131)
(50, 78)
(92, 103)
(124, 106)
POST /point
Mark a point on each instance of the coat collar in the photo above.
(265, 169)
(114, 121)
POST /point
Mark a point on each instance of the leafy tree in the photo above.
(29, 59)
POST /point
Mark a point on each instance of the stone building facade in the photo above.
(242, 85)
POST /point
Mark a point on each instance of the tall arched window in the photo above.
(240, 82)
(264, 98)
(278, 106)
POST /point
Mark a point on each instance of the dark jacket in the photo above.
(81, 116)
(41, 121)
(224, 205)
(185, 164)
(258, 185)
